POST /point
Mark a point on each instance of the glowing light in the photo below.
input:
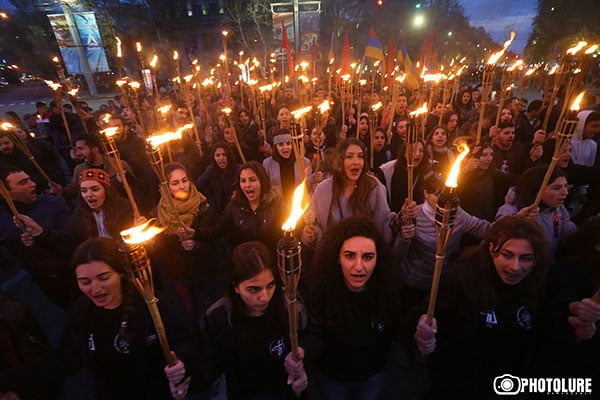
(300, 112)
(119, 54)
(141, 233)
(138, 47)
(6, 126)
(175, 55)
(496, 56)
(576, 104)
(298, 208)
(324, 106)
(592, 49)
(53, 85)
(453, 175)
(110, 131)
(575, 49)
(420, 111)
(154, 61)
(135, 85)
(73, 92)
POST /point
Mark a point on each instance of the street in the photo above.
(21, 99)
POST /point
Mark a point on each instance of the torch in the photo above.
(486, 83)
(189, 100)
(559, 77)
(445, 218)
(60, 71)
(59, 104)
(7, 126)
(119, 58)
(289, 262)
(231, 128)
(298, 137)
(373, 123)
(563, 138)
(524, 82)
(112, 153)
(153, 62)
(263, 106)
(359, 94)
(136, 104)
(415, 127)
(73, 97)
(153, 144)
(139, 274)
(506, 84)
(11, 205)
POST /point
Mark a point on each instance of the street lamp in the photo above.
(419, 20)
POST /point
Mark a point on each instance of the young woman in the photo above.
(552, 215)
(488, 312)
(450, 121)
(189, 263)
(218, 181)
(354, 299)
(112, 334)
(282, 169)
(102, 213)
(439, 151)
(255, 212)
(248, 132)
(363, 129)
(464, 106)
(381, 152)
(249, 328)
(350, 192)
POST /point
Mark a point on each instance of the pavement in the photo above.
(22, 98)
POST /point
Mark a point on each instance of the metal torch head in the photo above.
(447, 208)
(289, 260)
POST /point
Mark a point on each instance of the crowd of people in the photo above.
(518, 281)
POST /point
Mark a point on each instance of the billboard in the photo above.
(309, 14)
(90, 39)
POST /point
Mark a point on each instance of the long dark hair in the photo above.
(112, 214)
(359, 199)
(248, 260)
(529, 183)
(484, 271)
(265, 182)
(326, 280)
(228, 153)
(107, 251)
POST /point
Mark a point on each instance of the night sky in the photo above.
(498, 17)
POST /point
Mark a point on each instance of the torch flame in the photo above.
(156, 140)
(110, 131)
(53, 85)
(496, 56)
(420, 111)
(297, 208)
(516, 65)
(303, 79)
(265, 87)
(575, 49)
(592, 49)
(141, 233)
(433, 77)
(553, 70)
(175, 55)
(188, 78)
(154, 61)
(300, 112)
(55, 59)
(164, 109)
(73, 92)
(362, 82)
(576, 103)
(138, 47)
(106, 118)
(121, 82)
(119, 54)
(345, 77)
(6, 126)
(376, 106)
(134, 84)
(453, 176)
(530, 71)
(226, 110)
(324, 106)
